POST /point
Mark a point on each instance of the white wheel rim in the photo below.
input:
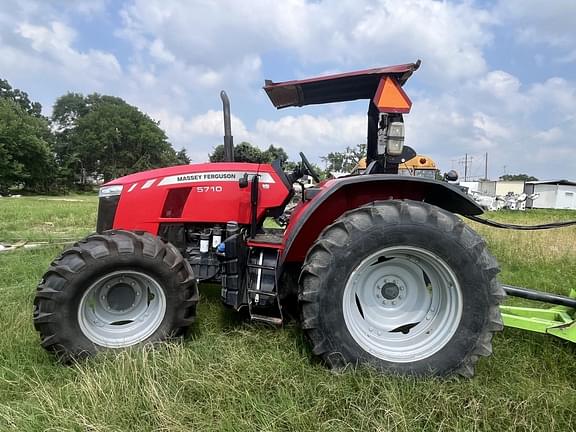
(121, 309)
(402, 304)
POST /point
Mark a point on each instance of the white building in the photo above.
(553, 194)
(500, 187)
(473, 186)
(505, 187)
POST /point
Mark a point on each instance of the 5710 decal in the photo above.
(209, 188)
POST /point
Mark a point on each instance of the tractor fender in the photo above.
(331, 199)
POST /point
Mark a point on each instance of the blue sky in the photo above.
(496, 76)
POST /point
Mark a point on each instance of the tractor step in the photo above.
(268, 238)
(261, 267)
(263, 302)
(262, 293)
(267, 319)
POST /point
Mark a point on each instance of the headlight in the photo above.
(395, 143)
(108, 191)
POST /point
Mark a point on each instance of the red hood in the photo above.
(184, 169)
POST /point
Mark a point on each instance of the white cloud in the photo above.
(541, 21)
(53, 45)
(201, 133)
(556, 95)
(219, 34)
(160, 53)
(316, 135)
(180, 54)
(500, 83)
(494, 114)
(525, 128)
(551, 135)
(39, 47)
(490, 128)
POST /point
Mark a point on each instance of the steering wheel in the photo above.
(308, 168)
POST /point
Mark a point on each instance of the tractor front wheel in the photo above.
(114, 290)
(403, 286)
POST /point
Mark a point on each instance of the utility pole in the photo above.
(486, 166)
(466, 161)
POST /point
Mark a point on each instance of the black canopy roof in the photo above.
(335, 88)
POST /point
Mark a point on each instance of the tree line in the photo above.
(333, 162)
(90, 139)
(86, 140)
(95, 138)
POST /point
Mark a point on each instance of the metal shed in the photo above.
(553, 194)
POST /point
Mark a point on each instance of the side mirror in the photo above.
(243, 182)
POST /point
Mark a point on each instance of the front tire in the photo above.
(114, 290)
(403, 286)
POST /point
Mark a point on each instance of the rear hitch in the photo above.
(559, 320)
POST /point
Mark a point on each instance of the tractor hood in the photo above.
(335, 88)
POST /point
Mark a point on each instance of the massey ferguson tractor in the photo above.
(378, 266)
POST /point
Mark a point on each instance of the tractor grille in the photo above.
(106, 212)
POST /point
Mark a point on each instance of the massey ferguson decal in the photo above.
(214, 176)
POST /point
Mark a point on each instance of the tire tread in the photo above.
(394, 212)
(57, 287)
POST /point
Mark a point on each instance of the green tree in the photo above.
(68, 109)
(344, 161)
(275, 153)
(26, 157)
(290, 166)
(20, 98)
(517, 177)
(246, 152)
(243, 152)
(103, 136)
(217, 154)
(182, 157)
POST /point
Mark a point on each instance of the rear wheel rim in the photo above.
(122, 309)
(402, 304)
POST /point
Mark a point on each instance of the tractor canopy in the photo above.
(336, 88)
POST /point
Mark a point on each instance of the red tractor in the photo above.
(380, 269)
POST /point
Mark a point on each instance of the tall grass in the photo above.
(539, 259)
(233, 376)
(47, 218)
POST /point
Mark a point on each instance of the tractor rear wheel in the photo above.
(114, 290)
(402, 286)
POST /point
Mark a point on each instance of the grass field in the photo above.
(234, 376)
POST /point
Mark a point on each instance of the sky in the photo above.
(497, 77)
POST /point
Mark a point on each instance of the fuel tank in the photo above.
(203, 193)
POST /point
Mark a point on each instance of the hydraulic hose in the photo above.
(495, 224)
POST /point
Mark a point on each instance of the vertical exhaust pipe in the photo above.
(228, 139)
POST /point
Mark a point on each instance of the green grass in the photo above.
(47, 218)
(233, 376)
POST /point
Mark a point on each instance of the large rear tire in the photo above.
(403, 286)
(114, 290)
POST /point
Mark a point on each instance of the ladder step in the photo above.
(262, 293)
(261, 267)
(266, 319)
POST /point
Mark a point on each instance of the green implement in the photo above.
(558, 320)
